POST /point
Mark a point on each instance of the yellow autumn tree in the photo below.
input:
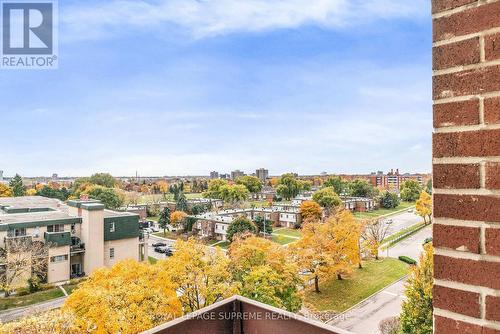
(5, 190)
(163, 187)
(310, 210)
(129, 297)
(343, 233)
(327, 249)
(424, 207)
(31, 192)
(265, 272)
(177, 218)
(200, 274)
(57, 321)
(416, 314)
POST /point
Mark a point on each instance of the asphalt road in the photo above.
(365, 317)
(402, 221)
(151, 252)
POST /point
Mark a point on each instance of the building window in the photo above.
(59, 258)
(36, 232)
(111, 253)
(55, 228)
(112, 227)
(17, 232)
(73, 228)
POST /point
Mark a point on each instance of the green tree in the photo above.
(288, 186)
(260, 222)
(361, 188)
(389, 200)
(233, 193)
(181, 204)
(164, 219)
(428, 187)
(214, 189)
(416, 314)
(410, 190)
(108, 196)
(252, 183)
(61, 194)
(16, 184)
(240, 225)
(337, 183)
(103, 179)
(328, 199)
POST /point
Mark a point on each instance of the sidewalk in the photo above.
(16, 313)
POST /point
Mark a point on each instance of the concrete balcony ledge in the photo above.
(239, 315)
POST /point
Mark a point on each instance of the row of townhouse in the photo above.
(353, 204)
(80, 235)
(214, 225)
(210, 203)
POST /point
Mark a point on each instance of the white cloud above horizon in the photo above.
(209, 18)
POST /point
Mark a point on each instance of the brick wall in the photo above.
(466, 159)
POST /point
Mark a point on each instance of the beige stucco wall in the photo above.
(124, 249)
(58, 271)
(92, 234)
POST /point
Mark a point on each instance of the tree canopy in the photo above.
(240, 225)
(337, 183)
(17, 187)
(410, 190)
(252, 183)
(389, 200)
(328, 199)
(310, 211)
(416, 314)
(5, 190)
(265, 273)
(129, 297)
(424, 207)
(288, 186)
(361, 188)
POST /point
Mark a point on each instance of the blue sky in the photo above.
(177, 87)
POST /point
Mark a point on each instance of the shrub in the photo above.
(389, 325)
(407, 259)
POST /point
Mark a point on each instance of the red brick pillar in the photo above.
(466, 158)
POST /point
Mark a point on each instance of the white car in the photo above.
(410, 210)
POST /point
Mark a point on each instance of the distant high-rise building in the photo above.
(1, 175)
(236, 174)
(224, 176)
(214, 175)
(55, 177)
(262, 174)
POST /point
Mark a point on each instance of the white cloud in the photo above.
(203, 18)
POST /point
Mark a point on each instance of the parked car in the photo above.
(154, 229)
(410, 210)
(159, 244)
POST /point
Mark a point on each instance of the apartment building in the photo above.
(262, 174)
(215, 224)
(236, 174)
(393, 180)
(81, 235)
(214, 175)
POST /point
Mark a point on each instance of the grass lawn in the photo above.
(154, 218)
(70, 287)
(289, 232)
(382, 212)
(223, 245)
(339, 295)
(33, 298)
(145, 199)
(390, 240)
(168, 235)
(283, 239)
(152, 260)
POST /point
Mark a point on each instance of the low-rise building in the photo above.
(81, 235)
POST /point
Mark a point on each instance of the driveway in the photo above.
(365, 317)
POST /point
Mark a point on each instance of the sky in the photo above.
(184, 87)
